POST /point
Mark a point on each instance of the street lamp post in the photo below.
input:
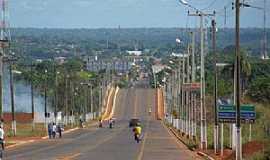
(32, 97)
(56, 95)
(203, 107)
(238, 69)
(12, 99)
(215, 86)
(66, 98)
(45, 98)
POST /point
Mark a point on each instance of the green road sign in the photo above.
(244, 108)
(248, 107)
(227, 113)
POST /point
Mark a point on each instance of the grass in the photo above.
(258, 132)
(24, 130)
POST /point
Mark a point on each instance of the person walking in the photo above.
(50, 130)
(54, 130)
(60, 129)
(2, 133)
(81, 123)
(100, 123)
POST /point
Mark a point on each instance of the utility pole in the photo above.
(12, 98)
(193, 79)
(100, 99)
(215, 85)
(56, 94)
(203, 108)
(265, 55)
(45, 99)
(183, 96)
(91, 100)
(32, 97)
(179, 96)
(238, 89)
(5, 39)
(66, 99)
(225, 17)
(85, 102)
(188, 93)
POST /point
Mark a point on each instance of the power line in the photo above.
(209, 6)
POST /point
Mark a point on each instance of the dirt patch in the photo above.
(252, 147)
(248, 149)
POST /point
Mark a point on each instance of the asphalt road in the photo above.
(112, 144)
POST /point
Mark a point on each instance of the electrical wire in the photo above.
(209, 6)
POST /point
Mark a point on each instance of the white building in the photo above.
(135, 53)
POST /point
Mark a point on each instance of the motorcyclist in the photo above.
(137, 130)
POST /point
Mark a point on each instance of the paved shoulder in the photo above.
(161, 144)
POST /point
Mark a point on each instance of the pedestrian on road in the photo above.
(60, 129)
(2, 133)
(54, 130)
(100, 123)
(111, 123)
(81, 123)
(50, 126)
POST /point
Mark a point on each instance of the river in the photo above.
(22, 92)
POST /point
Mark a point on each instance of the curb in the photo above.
(178, 137)
(205, 155)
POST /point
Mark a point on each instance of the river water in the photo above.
(22, 92)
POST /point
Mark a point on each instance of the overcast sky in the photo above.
(126, 13)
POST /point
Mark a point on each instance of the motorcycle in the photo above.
(137, 138)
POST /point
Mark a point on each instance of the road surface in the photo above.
(112, 144)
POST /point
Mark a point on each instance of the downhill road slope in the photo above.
(112, 144)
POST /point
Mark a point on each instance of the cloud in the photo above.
(83, 3)
(37, 5)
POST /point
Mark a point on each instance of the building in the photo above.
(95, 65)
(135, 53)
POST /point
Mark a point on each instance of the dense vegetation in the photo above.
(64, 83)
(48, 43)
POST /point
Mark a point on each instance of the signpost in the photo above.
(227, 114)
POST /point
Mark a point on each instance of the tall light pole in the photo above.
(12, 97)
(203, 107)
(193, 80)
(215, 85)
(264, 33)
(56, 95)
(238, 89)
(66, 98)
(32, 96)
(5, 39)
(179, 84)
(45, 98)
